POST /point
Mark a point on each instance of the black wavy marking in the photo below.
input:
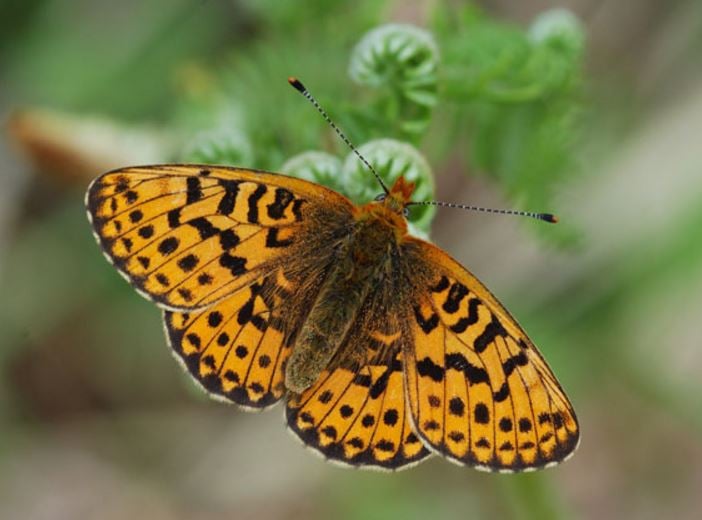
(492, 330)
(228, 201)
(426, 324)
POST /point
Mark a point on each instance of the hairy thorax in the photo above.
(359, 265)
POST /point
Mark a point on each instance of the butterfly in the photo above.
(383, 347)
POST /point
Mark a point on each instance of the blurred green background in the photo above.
(594, 113)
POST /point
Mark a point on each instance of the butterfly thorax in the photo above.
(363, 259)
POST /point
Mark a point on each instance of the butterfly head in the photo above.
(398, 197)
(390, 208)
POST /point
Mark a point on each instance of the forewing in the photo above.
(480, 392)
(187, 236)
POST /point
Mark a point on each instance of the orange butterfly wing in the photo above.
(356, 413)
(186, 236)
(479, 391)
(234, 256)
(358, 418)
(237, 348)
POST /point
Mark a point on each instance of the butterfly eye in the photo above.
(406, 212)
(380, 198)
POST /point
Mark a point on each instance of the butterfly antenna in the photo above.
(546, 217)
(303, 90)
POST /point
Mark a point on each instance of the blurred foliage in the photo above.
(517, 97)
(512, 94)
(466, 78)
(466, 91)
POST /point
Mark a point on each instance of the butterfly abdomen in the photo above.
(355, 270)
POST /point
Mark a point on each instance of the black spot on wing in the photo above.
(325, 397)
(185, 293)
(427, 368)
(473, 374)
(214, 318)
(188, 263)
(505, 424)
(434, 401)
(426, 324)
(194, 339)
(131, 196)
(245, 314)
(457, 407)
(483, 443)
(194, 191)
(430, 425)
(146, 232)
(558, 420)
(513, 362)
(524, 425)
(390, 417)
(297, 209)
(228, 239)
(174, 218)
(283, 198)
(362, 380)
(441, 286)
(502, 393)
(135, 216)
(273, 241)
(456, 436)
(168, 246)
(356, 442)
(457, 292)
(481, 414)
(122, 184)
(378, 387)
(204, 227)
(235, 264)
(385, 445)
(256, 387)
(330, 432)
